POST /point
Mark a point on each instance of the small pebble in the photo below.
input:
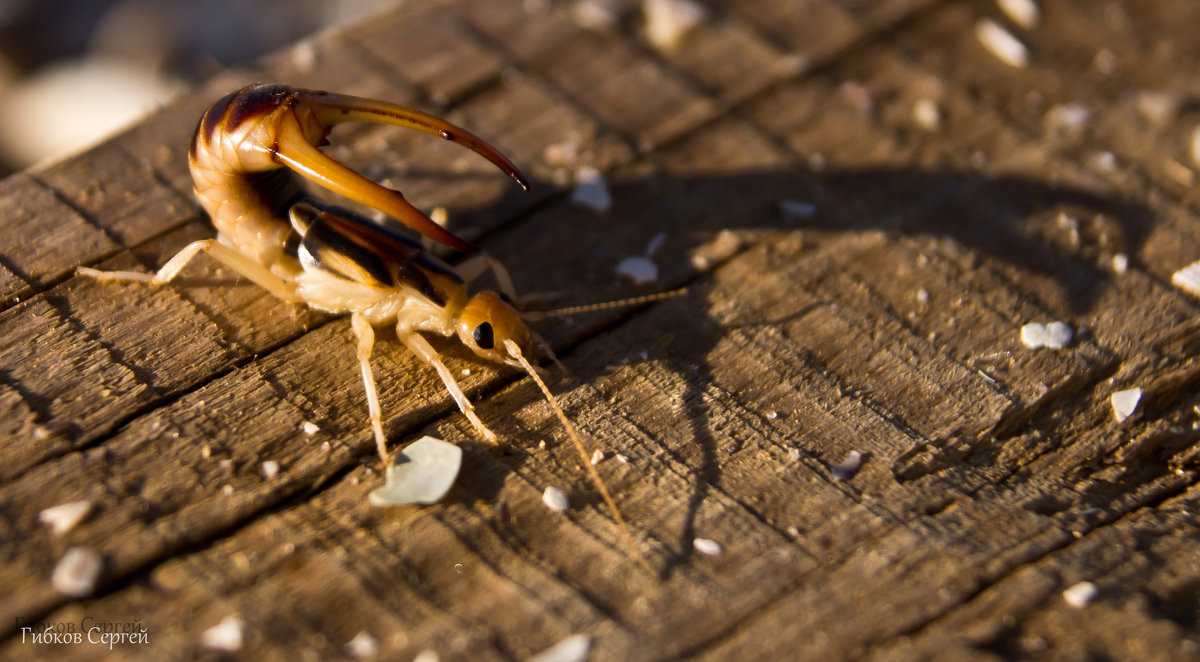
(638, 270)
(362, 647)
(76, 573)
(591, 190)
(309, 428)
(669, 21)
(556, 500)
(270, 469)
(597, 457)
(1188, 279)
(64, 517)
(1055, 335)
(848, 467)
(927, 115)
(1120, 263)
(1001, 43)
(1081, 594)
(572, 649)
(421, 473)
(1022, 12)
(1125, 403)
(426, 655)
(707, 547)
(225, 636)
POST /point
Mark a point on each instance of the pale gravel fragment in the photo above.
(427, 655)
(226, 636)
(309, 428)
(1157, 106)
(638, 270)
(1120, 263)
(423, 472)
(270, 469)
(1024, 13)
(1069, 118)
(1188, 279)
(571, 649)
(1081, 595)
(797, 209)
(1125, 403)
(76, 572)
(707, 546)
(591, 190)
(927, 115)
(597, 457)
(1055, 335)
(64, 517)
(1194, 146)
(848, 467)
(362, 647)
(669, 21)
(597, 15)
(1001, 43)
(556, 500)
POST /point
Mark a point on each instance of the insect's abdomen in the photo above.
(247, 202)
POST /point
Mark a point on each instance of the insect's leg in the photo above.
(366, 341)
(222, 253)
(424, 351)
(474, 267)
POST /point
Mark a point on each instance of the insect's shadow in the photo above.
(1063, 232)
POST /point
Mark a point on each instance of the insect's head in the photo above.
(486, 322)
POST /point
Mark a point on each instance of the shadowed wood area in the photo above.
(866, 206)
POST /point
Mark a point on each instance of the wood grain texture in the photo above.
(884, 319)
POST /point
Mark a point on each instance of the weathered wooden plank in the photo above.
(34, 254)
(883, 318)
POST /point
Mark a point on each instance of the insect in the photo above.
(241, 158)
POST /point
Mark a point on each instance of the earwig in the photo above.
(337, 261)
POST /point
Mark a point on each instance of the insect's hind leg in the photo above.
(366, 342)
(424, 351)
(218, 251)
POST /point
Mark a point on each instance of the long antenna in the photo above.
(583, 454)
(591, 307)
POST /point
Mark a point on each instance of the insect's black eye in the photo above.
(483, 335)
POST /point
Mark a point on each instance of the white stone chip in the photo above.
(848, 467)
(1195, 146)
(1120, 263)
(597, 457)
(556, 500)
(598, 15)
(1081, 594)
(1024, 13)
(1001, 43)
(1188, 279)
(927, 115)
(669, 21)
(426, 655)
(64, 517)
(707, 546)
(270, 469)
(572, 649)
(1125, 403)
(76, 573)
(309, 428)
(591, 190)
(1055, 335)
(362, 647)
(421, 473)
(225, 636)
(638, 270)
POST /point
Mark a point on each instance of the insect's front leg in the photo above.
(222, 253)
(424, 351)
